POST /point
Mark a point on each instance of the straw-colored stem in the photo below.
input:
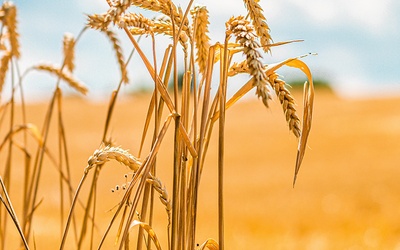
(69, 217)
(221, 146)
(176, 185)
(163, 91)
(10, 209)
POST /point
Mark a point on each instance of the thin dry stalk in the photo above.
(163, 91)
(221, 146)
(10, 209)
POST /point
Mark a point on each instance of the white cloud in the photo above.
(371, 16)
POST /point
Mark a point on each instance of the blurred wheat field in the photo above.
(347, 195)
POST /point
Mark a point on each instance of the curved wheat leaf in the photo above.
(307, 114)
(210, 244)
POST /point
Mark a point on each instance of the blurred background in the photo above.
(357, 43)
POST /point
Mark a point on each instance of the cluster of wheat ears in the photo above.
(193, 110)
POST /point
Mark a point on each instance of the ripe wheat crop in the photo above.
(191, 111)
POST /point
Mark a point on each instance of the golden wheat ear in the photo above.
(69, 51)
(119, 54)
(10, 22)
(246, 37)
(288, 103)
(259, 23)
(72, 82)
(4, 62)
(201, 38)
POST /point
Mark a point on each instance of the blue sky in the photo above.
(358, 43)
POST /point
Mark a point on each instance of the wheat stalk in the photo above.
(202, 40)
(69, 51)
(246, 37)
(72, 82)
(259, 23)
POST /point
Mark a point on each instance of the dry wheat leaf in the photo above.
(210, 244)
(32, 129)
(149, 230)
(307, 115)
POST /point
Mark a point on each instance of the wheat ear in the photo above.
(4, 68)
(69, 51)
(161, 26)
(137, 21)
(103, 155)
(163, 195)
(238, 68)
(246, 37)
(259, 23)
(288, 103)
(11, 23)
(72, 82)
(202, 40)
(118, 51)
(167, 7)
(98, 21)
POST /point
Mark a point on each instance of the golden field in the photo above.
(347, 194)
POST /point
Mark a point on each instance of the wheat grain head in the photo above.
(72, 82)
(69, 51)
(246, 37)
(119, 54)
(259, 23)
(4, 68)
(10, 20)
(103, 155)
(201, 38)
(288, 103)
